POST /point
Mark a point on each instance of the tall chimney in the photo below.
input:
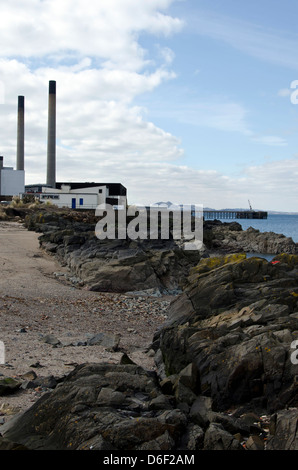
(20, 133)
(51, 157)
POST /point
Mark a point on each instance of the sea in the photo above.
(285, 224)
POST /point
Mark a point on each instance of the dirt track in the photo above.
(34, 302)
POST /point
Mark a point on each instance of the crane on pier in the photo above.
(250, 208)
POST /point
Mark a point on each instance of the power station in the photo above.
(12, 182)
(63, 194)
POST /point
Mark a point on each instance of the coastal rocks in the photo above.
(226, 369)
(111, 265)
(8, 385)
(125, 269)
(236, 322)
(227, 237)
(283, 430)
(217, 438)
(29, 380)
(124, 265)
(124, 407)
(100, 407)
(226, 374)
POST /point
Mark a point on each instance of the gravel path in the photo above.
(35, 301)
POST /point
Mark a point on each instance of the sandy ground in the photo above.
(36, 300)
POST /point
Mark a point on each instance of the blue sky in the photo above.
(180, 100)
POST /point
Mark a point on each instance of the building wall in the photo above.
(12, 182)
(76, 199)
(80, 198)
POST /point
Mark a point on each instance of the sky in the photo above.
(188, 101)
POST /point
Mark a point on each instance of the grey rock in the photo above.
(50, 339)
(96, 407)
(217, 438)
(105, 340)
(9, 385)
(283, 430)
(254, 443)
(235, 322)
(201, 412)
(193, 439)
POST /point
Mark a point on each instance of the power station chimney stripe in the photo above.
(21, 102)
(52, 87)
(51, 155)
(20, 133)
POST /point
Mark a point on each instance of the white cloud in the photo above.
(270, 140)
(107, 29)
(268, 186)
(92, 50)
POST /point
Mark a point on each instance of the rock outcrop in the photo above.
(123, 265)
(120, 265)
(225, 379)
(226, 359)
(121, 407)
(229, 237)
(101, 407)
(235, 323)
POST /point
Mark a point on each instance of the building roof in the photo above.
(115, 189)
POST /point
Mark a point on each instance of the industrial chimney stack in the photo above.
(51, 156)
(20, 133)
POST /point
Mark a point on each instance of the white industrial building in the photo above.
(84, 198)
(12, 182)
(80, 195)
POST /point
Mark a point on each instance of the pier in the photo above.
(232, 214)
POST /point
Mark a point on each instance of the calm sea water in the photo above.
(277, 223)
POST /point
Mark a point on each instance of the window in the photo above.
(49, 196)
(81, 201)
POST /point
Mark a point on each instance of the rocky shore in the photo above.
(225, 364)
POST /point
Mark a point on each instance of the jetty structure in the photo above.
(213, 214)
(234, 214)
